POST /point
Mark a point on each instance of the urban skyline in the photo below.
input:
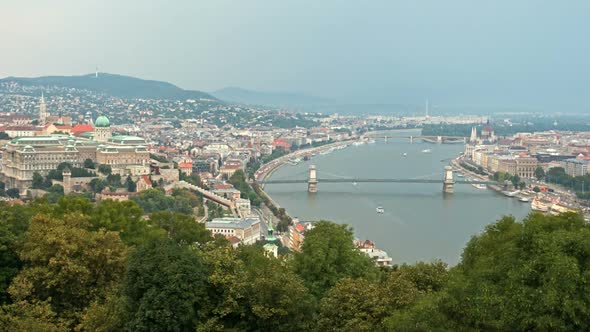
(294, 165)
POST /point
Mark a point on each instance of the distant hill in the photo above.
(281, 99)
(115, 85)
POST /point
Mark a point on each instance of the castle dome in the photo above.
(102, 121)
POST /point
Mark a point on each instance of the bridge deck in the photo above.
(379, 181)
(411, 136)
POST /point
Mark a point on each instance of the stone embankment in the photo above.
(267, 169)
(456, 163)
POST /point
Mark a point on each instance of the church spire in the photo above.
(42, 110)
(473, 137)
(270, 237)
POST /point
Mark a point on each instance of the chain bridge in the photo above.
(448, 182)
(431, 139)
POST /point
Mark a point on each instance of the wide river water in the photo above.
(419, 223)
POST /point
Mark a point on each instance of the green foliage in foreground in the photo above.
(78, 266)
(328, 255)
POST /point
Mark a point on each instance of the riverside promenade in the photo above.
(267, 169)
(456, 164)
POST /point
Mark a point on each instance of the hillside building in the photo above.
(24, 156)
(247, 230)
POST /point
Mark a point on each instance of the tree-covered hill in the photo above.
(115, 85)
(78, 266)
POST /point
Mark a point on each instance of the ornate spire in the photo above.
(473, 137)
(42, 110)
(270, 237)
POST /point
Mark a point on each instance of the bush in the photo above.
(13, 193)
(105, 169)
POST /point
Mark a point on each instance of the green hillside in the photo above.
(115, 85)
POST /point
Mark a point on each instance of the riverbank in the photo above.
(563, 196)
(267, 169)
(456, 163)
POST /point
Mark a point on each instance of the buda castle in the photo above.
(24, 156)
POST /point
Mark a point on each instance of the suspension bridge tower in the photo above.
(312, 182)
(448, 182)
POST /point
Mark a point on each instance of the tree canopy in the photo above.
(165, 287)
(66, 264)
(78, 266)
(328, 255)
(152, 200)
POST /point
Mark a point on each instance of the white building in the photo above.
(21, 131)
(243, 205)
(379, 256)
(576, 167)
(247, 230)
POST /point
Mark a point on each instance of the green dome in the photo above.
(102, 121)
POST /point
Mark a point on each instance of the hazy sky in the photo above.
(514, 53)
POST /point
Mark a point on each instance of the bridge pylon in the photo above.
(312, 182)
(448, 181)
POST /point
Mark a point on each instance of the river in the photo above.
(419, 223)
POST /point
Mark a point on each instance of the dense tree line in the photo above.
(284, 220)
(514, 179)
(252, 166)
(506, 129)
(193, 179)
(40, 182)
(293, 121)
(105, 169)
(112, 182)
(56, 174)
(579, 184)
(214, 210)
(78, 266)
(154, 200)
(276, 153)
(384, 126)
(238, 180)
(477, 170)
